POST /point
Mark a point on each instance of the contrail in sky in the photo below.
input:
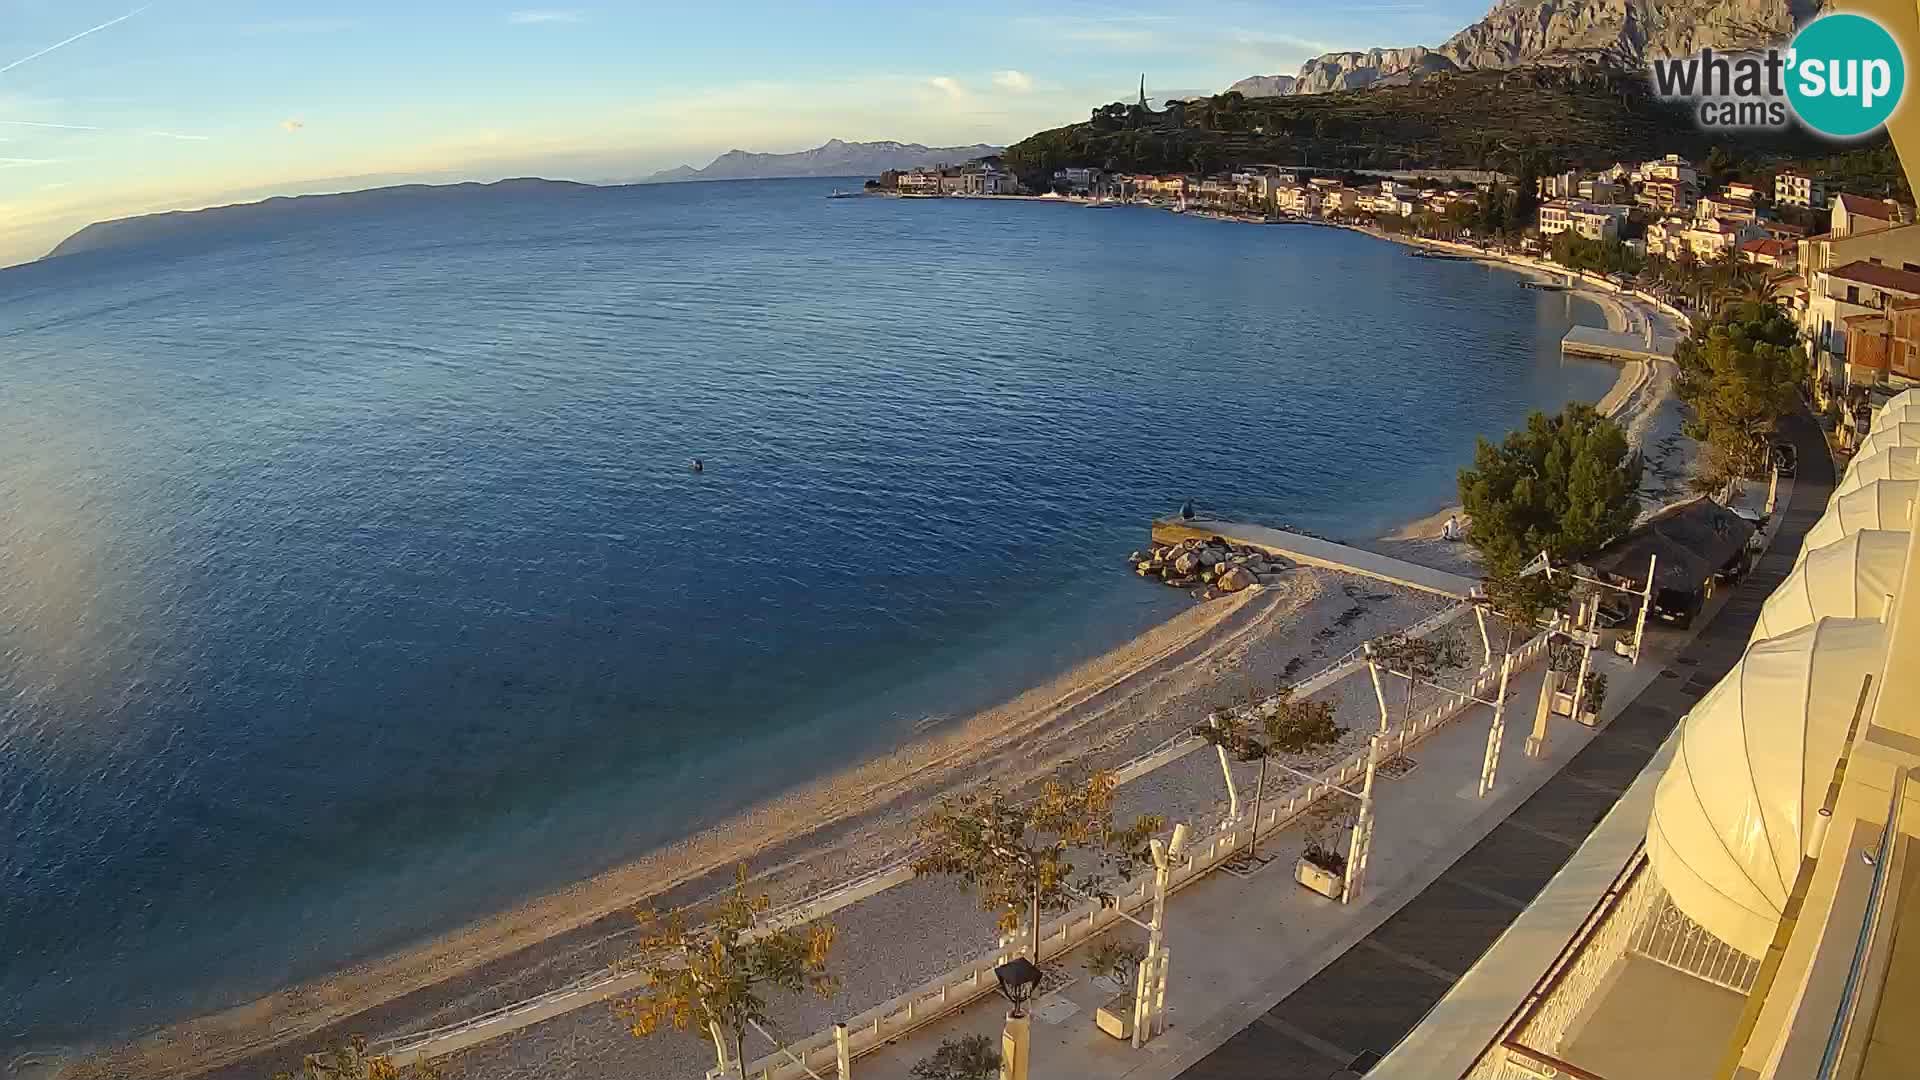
(74, 38)
(46, 124)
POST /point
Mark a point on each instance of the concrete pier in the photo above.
(1613, 345)
(1312, 551)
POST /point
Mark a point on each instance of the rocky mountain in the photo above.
(1263, 86)
(1624, 33)
(1333, 72)
(831, 158)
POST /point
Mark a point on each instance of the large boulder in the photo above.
(1236, 578)
(1187, 562)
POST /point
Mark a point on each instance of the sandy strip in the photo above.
(832, 828)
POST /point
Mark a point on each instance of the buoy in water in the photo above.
(698, 466)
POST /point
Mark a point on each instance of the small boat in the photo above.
(838, 194)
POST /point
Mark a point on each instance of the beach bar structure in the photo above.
(1691, 543)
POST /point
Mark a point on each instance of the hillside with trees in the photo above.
(1552, 117)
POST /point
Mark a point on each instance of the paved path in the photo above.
(1316, 552)
(1358, 1007)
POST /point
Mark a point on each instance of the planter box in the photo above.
(1563, 703)
(1318, 878)
(1116, 1016)
(1623, 648)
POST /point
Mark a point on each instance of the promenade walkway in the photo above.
(1361, 1005)
(1313, 551)
(1268, 980)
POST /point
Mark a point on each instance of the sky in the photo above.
(116, 107)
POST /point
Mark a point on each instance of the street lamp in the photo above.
(1019, 979)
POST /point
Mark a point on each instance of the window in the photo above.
(1853, 294)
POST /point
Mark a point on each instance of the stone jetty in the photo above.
(1209, 567)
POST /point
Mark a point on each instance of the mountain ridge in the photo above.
(834, 157)
(1517, 33)
(140, 229)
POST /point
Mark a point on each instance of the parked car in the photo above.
(1785, 459)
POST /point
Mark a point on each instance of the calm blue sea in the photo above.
(353, 581)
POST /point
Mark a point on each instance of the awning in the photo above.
(1736, 810)
(1882, 504)
(1897, 412)
(1850, 578)
(1890, 435)
(1892, 463)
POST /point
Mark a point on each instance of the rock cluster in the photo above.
(1623, 33)
(1210, 568)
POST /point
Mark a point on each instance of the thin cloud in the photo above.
(949, 86)
(1015, 82)
(532, 18)
(68, 41)
(176, 135)
(292, 124)
(27, 162)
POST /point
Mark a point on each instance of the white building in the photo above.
(1798, 189)
(1592, 221)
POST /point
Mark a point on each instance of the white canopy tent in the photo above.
(1893, 463)
(1904, 397)
(1850, 578)
(1890, 435)
(1739, 806)
(1882, 504)
(1897, 412)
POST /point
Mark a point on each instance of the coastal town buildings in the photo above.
(1856, 214)
(1768, 251)
(1726, 208)
(1668, 196)
(1791, 188)
(1883, 350)
(1593, 221)
(1839, 293)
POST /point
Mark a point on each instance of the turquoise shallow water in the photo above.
(353, 582)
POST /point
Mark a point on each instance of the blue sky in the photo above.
(111, 108)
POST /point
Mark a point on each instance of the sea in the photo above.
(355, 582)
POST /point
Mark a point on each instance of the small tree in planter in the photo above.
(1596, 693)
(1323, 859)
(1289, 725)
(1418, 660)
(970, 1057)
(1117, 959)
(1019, 855)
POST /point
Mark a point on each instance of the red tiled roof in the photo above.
(1767, 246)
(1860, 204)
(1880, 277)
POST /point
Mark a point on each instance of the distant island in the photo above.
(153, 228)
(831, 158)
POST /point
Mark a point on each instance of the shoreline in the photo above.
(820, 832)
(825, 832)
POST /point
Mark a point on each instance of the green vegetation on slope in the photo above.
(1548, 117)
